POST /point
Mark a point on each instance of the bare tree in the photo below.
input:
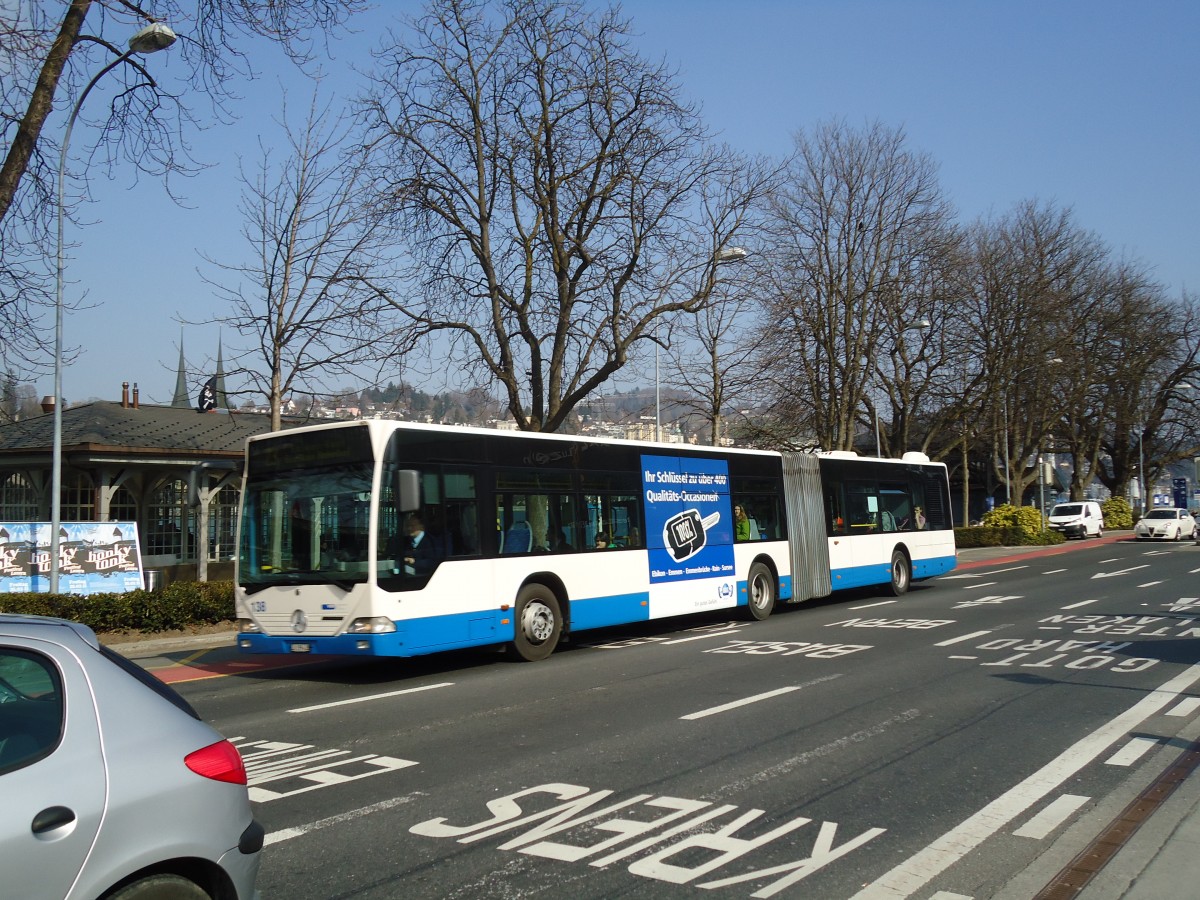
(48, 52)
(305, 296)
(546, 178)
(860, 227)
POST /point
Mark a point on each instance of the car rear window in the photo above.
(148, 680)
(31, 708)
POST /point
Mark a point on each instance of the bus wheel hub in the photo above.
(537, 621)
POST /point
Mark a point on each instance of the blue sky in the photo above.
(1087, 104)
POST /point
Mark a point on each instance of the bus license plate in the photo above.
(300, 648)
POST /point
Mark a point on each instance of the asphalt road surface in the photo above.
(964, 741)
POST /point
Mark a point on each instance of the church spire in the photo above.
(181, 391)
(222, 397)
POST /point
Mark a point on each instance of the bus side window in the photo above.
(835, 519)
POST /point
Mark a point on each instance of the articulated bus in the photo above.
(375, 538)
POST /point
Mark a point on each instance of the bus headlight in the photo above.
(373, 625)
(249, 626)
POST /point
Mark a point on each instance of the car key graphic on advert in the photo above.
(685, 533)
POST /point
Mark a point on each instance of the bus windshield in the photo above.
(307, 522)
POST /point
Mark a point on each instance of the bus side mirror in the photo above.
(408, 490)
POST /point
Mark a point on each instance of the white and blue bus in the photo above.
(378, 538)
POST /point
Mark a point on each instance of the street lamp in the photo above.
(1054, 361)
(916, 326)
(723, 256)
(151, 39)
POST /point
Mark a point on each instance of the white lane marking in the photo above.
(946, 895)
(1121, 571)
(725, 707)
(1080, 603)
(958, 575)
(1053, 571)
(1132, 752)
(968, 587)
(962, 657)
(1114, 559)
(1051, 817)
(960, 639)
(416, 690)
(699, 637)
(1002, 571)
(1185, 707)
(869, 605)
(1193, 571)
(836, 746)
(918, 870)
(1149, 584)
(286, 834)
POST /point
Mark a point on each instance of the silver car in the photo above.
(112, 786)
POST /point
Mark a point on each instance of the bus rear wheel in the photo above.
(538, 622)
(760, 587)
(901, 574)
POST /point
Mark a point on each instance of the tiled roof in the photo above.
(107, 424)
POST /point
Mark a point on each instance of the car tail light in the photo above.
(220, 762)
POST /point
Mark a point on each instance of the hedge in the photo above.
(178, 605)
(1004, 536)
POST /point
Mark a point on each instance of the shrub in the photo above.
(178, 605)
(1008, 526)
(1117, 513)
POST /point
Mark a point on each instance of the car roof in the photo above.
(11, 622)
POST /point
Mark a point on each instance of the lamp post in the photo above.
(723, 256)
(151, 39)
(1054, 361)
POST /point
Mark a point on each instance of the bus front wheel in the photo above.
(760, 586)
(901, 574)
(538, 623)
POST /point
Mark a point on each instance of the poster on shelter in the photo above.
(689, 534)
(93, 557)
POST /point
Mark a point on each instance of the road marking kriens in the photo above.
(683, 844)
(1080, 603)
(1054, 571)
(415, 690)
(869, 605)
(918, 870)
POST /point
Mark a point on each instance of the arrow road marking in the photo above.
(1121, 571)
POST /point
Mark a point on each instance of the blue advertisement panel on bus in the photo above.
(93, 558)
(689, 534)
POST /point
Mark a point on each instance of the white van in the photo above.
(1080, 519)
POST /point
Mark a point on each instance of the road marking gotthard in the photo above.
(918, 870)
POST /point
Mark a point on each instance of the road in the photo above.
(965, 741)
